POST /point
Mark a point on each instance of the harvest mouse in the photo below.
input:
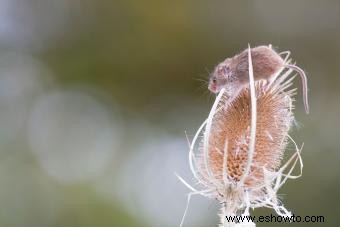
(232, 73)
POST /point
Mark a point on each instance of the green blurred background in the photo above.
(96, 96)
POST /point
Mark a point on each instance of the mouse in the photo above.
(232, 73)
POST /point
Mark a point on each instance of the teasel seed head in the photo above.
(236, 155)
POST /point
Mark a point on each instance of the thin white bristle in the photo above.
(253, 119)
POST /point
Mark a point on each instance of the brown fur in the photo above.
(265, 63)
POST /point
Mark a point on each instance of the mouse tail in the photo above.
(304, 84)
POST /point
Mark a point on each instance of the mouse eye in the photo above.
(214, 80)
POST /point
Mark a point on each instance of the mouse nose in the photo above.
(212, 87)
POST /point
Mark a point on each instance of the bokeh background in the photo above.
(96, 96)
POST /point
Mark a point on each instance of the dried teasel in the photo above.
(236, 154)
